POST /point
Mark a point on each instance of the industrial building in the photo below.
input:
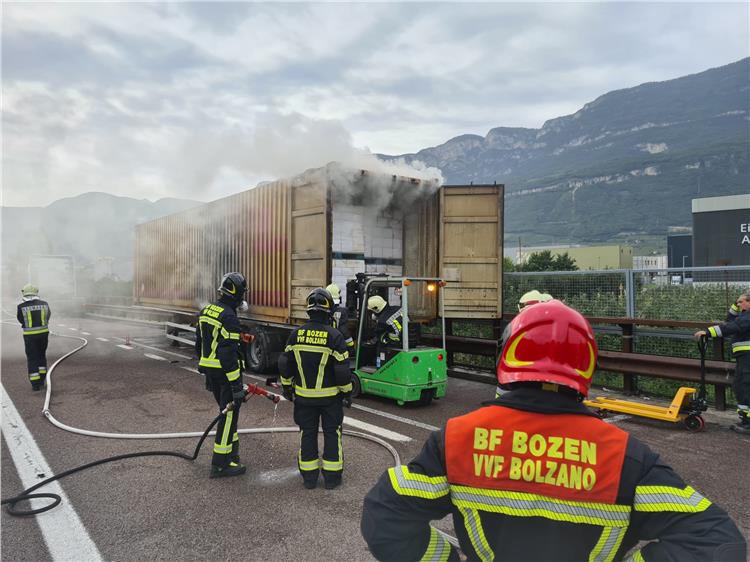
(721, 230)
(613, 256)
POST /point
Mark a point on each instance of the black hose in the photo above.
(10, 503)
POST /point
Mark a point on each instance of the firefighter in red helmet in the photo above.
(534, 475)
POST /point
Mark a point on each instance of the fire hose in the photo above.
(250, 390)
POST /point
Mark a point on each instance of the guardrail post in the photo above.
(629, 294)
(629, 381)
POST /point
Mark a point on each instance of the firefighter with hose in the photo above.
(217, 343)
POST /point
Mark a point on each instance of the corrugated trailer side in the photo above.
(181, 257)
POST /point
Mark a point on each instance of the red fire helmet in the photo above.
(549, 342)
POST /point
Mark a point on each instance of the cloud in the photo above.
(201, 100)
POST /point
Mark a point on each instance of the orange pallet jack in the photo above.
(686, 407)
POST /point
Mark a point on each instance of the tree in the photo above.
(545, 261)
(508, 265)
(563, 262)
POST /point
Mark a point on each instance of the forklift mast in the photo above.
(355, 292)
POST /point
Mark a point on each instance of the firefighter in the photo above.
(340, 317)
(217, 343)
(737, 326)
(33, 314)
(389, 327)
(527, 299)
(315, 376)
(535, 475)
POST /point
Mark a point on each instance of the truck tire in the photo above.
(259, 352)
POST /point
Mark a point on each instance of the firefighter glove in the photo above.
(288, 392)
(346, 400)
(238, 394)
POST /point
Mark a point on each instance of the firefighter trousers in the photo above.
(308, 417)
(741, 386)
(36, 358)
(227, 441)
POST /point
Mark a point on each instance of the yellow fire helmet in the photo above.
(376, 304)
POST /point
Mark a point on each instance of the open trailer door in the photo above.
(471, 250)
(310, 240)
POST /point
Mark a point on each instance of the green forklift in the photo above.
(408, 371)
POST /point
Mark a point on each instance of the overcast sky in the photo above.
(200, 100)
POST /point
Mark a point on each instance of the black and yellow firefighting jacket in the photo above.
(737, 326)
(34, 317)
(340, 319)
(389, 328)
(535, 476)
(316, 363)
(217, 339)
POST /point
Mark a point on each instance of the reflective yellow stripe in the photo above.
(310, 348)
(29, 322)
(608, 544)
(740, 346)
(474, 529)
(339, 463)
(438, 549)
(209, 363)
(321, 371)
(32, 331)
(287, 381)
(407, 483)
(233, 375)
(42, 370)
(33, 376)
(714, 332)
(234, 336)
(346, 388)
(522, 504)
(224, 447)
(43, 311)
(300, 371)
(315, 392)
(635, 557)
(667, 498)
(340, 356)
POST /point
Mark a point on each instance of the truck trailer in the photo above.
(327, 225)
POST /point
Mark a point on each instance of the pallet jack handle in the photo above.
(702, 346)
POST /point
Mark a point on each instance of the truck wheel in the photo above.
(356, 385)
(259, 352)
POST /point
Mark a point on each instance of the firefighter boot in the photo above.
(333, 481)
(232, 469)
(744, 425)
(310, 480)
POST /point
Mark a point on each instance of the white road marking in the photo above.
(617, 418)
(157, 349)
(74, 329)
(192, 370)
(102, 339)
(396, 418)
(86, 333)
(63, 531)
(152, 356)
(61, 325)
(122, 345)
(382, 432)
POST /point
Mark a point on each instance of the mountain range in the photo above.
(626, 164)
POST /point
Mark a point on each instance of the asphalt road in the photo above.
(166, 508)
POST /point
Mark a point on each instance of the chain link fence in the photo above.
(697, 294)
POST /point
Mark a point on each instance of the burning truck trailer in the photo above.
(328, 225)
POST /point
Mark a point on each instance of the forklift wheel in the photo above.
(425, 398)
(356, 385)
(694, 423)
